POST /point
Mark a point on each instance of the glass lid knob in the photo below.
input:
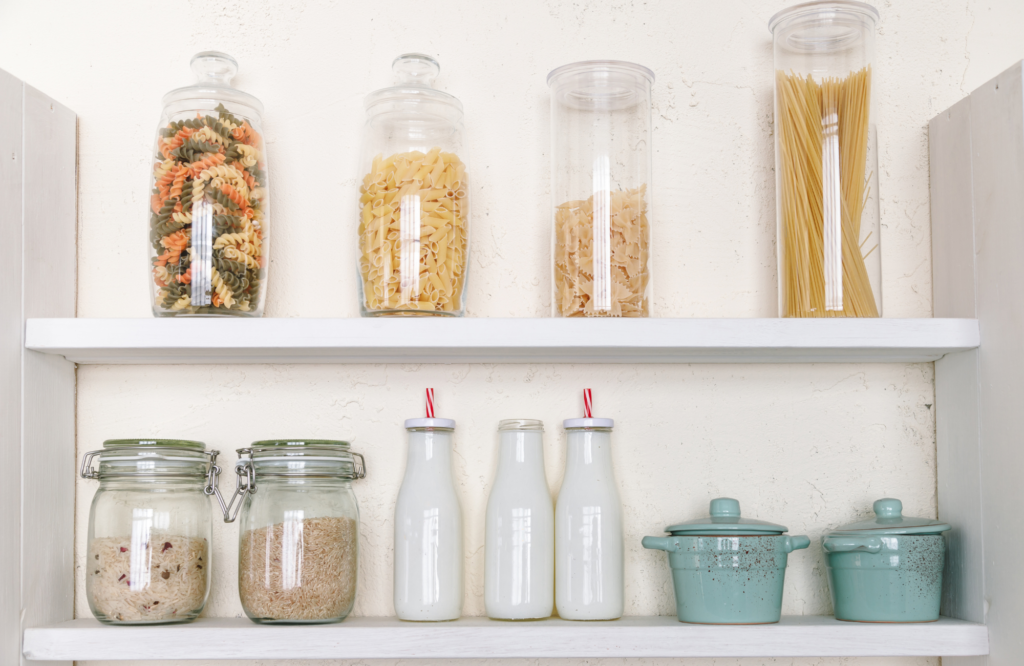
(415, 69)
(888, 508)
(214, 68)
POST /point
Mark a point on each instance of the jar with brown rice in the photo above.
(148, 555)
(299, 530)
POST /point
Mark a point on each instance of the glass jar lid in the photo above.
(214, 71)
(889, 519)
(835, 12)
(138, 458)
(414, 91)
(725, 520)
(600, 85)
(325, 458)
(521, 424)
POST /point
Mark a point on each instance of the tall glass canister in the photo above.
(414, 198)
(601, 189)
(209, 202)
(826, 165)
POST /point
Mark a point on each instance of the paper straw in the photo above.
(588, 404)
(430, 403)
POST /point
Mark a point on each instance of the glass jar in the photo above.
(209, 203)
(414, 198)
(826, 165)
(298, 545)
(600, 184)
(148, 554)
(589, 545)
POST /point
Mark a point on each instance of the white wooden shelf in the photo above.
(483, 340)
(480, 638)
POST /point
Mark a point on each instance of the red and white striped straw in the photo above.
(588, 404)
(430, 403)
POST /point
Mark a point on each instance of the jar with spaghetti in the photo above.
(148, 555)
(298, 549)
(601, 189)
(413, 198)
(209, 202)
(826, 165)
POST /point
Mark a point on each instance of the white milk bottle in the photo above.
(588, 526)
(519, 576)
(428, 527)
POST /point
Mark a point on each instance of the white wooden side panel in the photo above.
(480, 638)
(997, 138)
(11, 348)
(49, 224)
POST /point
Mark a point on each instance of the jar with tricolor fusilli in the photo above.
(209, 198)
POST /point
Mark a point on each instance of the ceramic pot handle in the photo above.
(796, 543)
(668, 544)
(870, 544)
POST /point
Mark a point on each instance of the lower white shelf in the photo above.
(480, 638)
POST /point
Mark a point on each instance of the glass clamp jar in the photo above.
(414, 198)
(209, 202)
(826, 164)
(600, 182)
(148, 554)
(299, 534)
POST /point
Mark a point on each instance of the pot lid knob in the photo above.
(725, 507)
(888, 508)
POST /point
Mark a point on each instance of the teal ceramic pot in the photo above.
(886, 569)
(727, 569)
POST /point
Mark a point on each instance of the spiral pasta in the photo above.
(208, 216)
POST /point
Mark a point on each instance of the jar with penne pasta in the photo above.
(413, 214)
(601, 189)
(826, 165)
(209, 199)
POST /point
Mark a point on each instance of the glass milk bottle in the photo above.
(588, 526)
(520, 546)
(428, 527)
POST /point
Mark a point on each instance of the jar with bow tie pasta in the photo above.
(413, 214)
(209, 198)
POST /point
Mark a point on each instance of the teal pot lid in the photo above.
(725, 520)
(889, 519)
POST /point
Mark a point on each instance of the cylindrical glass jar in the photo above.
(148, 554)
(826, 164)
(209, 202)
(589, 546)
(519, 551)
(414, 198)
(299, 534)
(601, 189)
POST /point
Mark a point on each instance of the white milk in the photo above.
(519, 555)
(588, 527)
(428, 527)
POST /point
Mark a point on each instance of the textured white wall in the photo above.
(809, 446)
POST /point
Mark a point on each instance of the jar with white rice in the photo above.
(148, 554)
(299, 530)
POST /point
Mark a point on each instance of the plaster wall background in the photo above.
(808, 446)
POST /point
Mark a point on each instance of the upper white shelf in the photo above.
(483, 340)
(480, 638)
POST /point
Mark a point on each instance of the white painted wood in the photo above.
(480, 638)
(38, 218)
(500, 340)
(11, 350)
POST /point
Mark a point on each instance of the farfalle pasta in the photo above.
(208, 217)
(602, 250)
(412, 234)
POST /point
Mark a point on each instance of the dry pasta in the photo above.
(823, 142)
(413, 235)
(602, 251)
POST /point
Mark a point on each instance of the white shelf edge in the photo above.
(485, 340)
(480, 638)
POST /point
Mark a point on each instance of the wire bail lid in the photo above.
(148, 458)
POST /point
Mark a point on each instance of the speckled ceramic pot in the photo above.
(727, 569)
(887, 569)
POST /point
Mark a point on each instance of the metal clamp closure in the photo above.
(359, 470)
(245, 483)
(87, 471)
